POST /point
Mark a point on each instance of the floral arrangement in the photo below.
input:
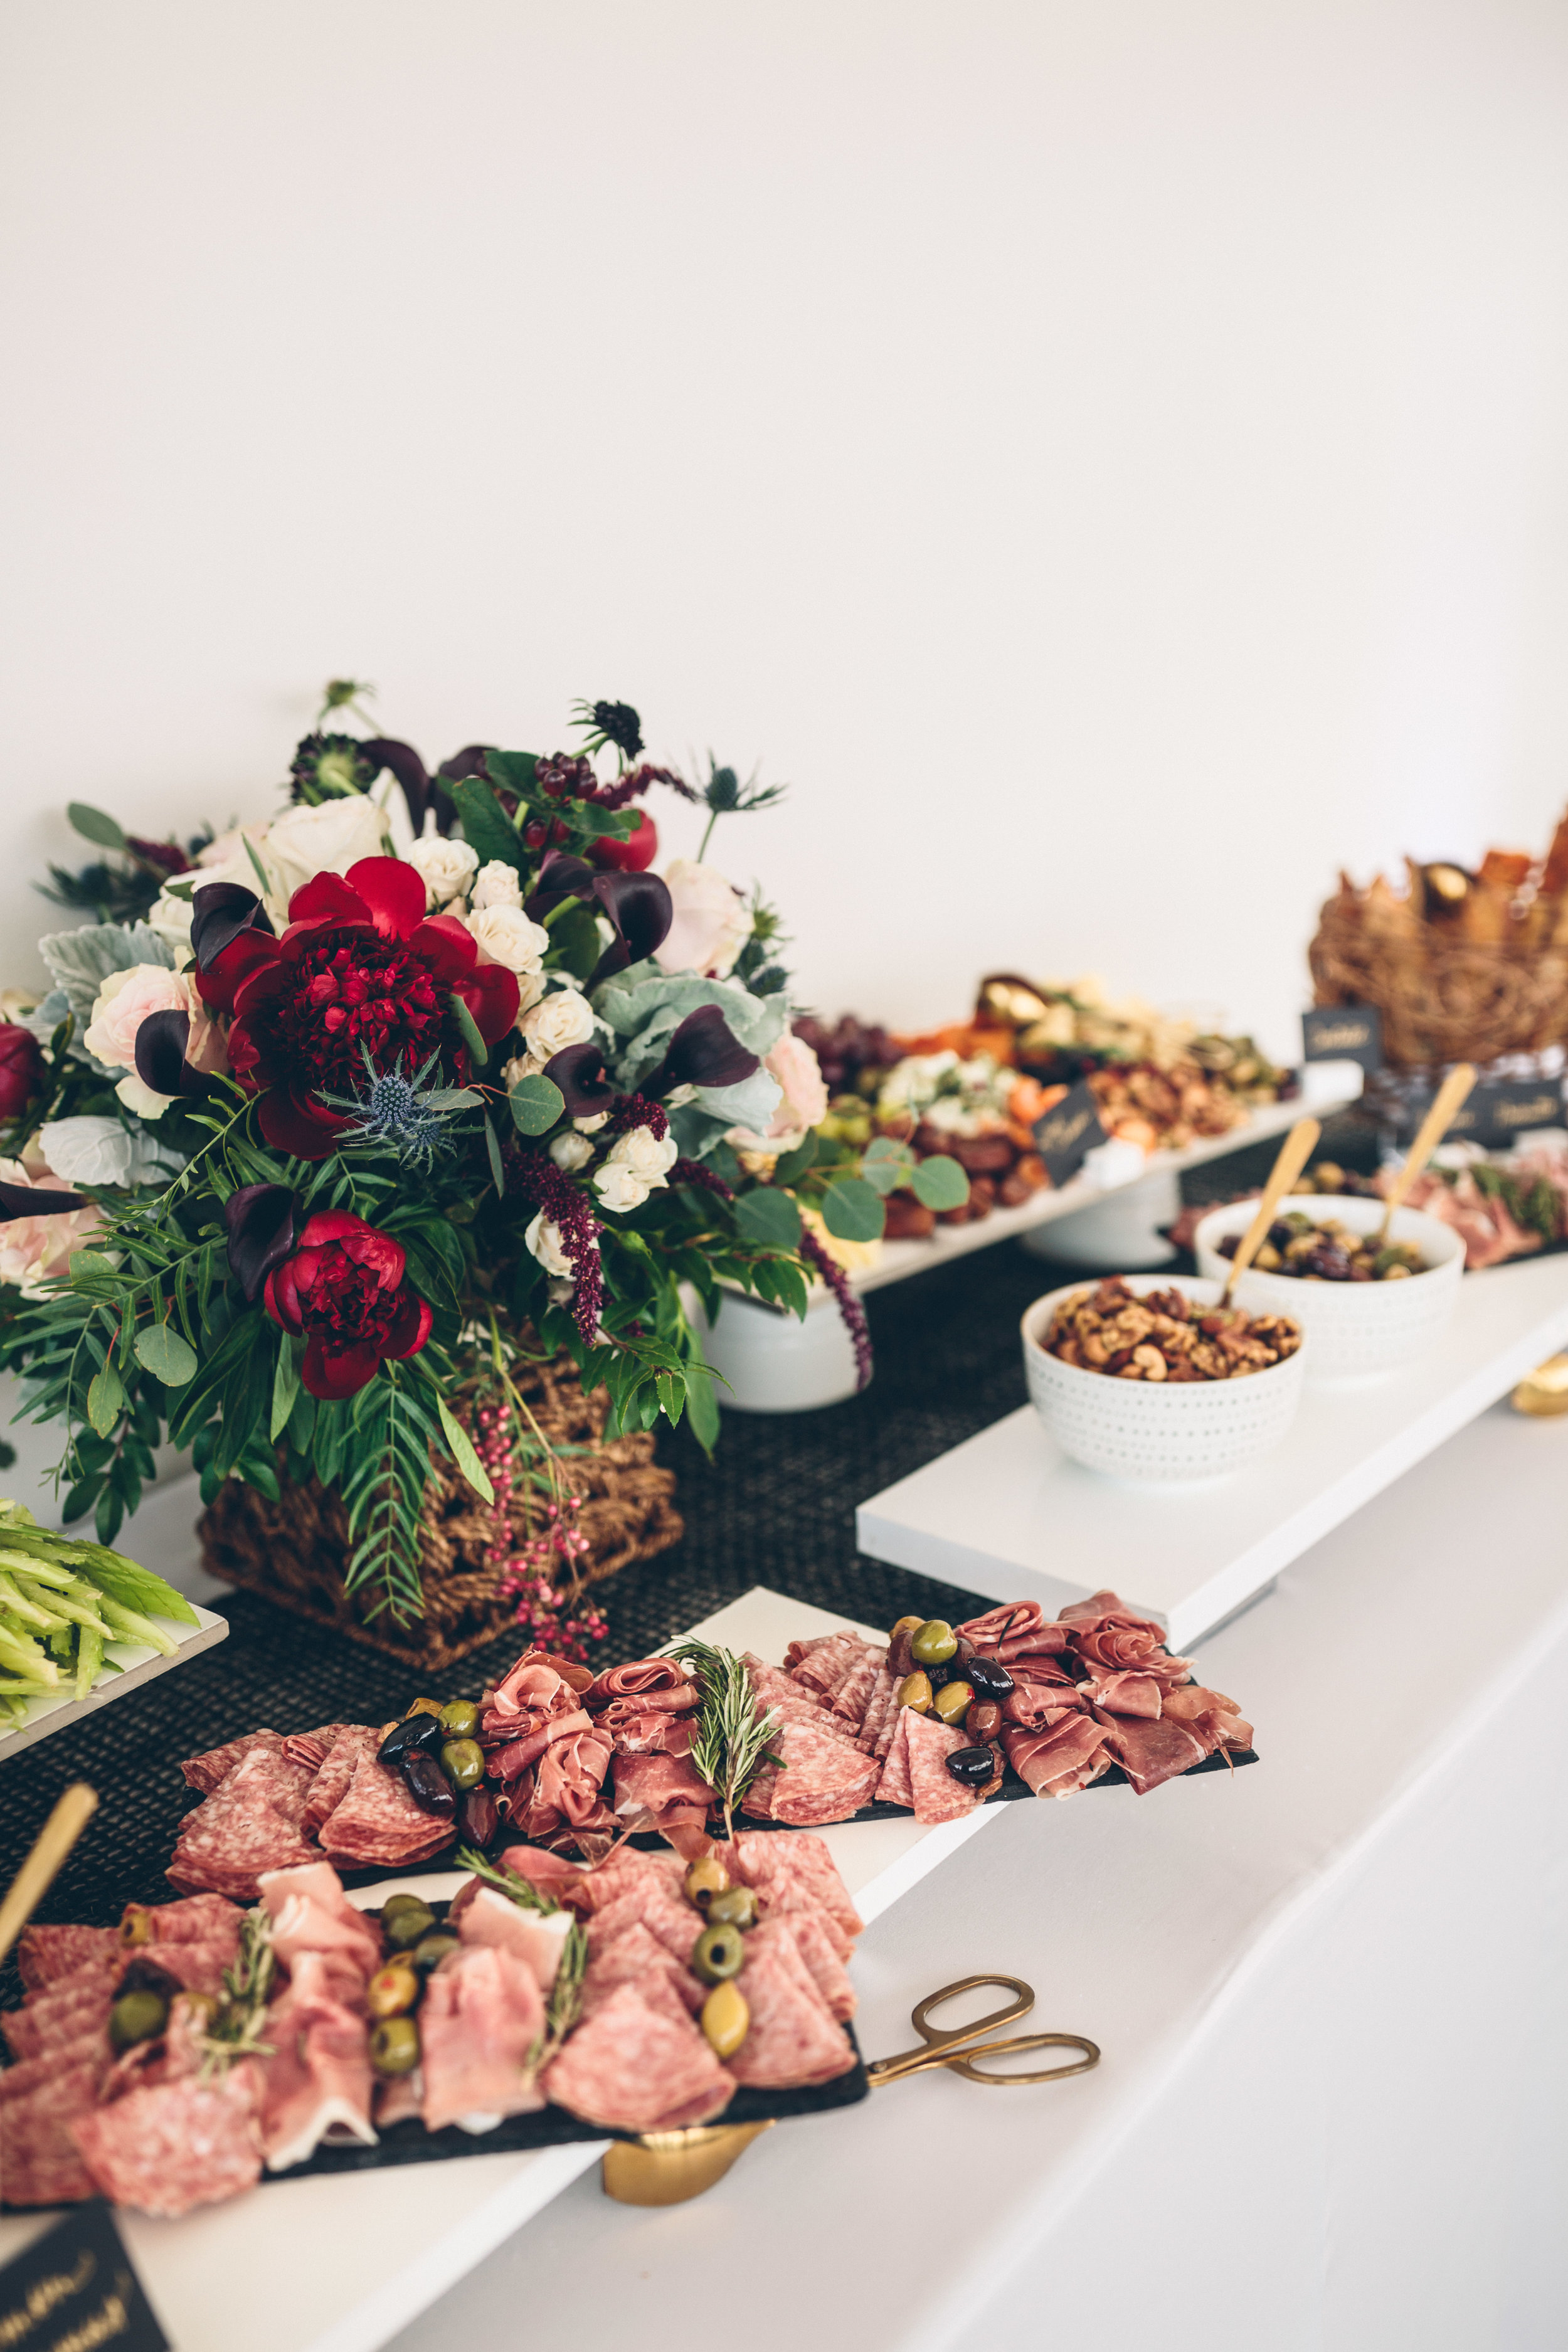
(326, 1119)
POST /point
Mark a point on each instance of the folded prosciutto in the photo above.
(481, 2017)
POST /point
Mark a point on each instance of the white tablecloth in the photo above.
(1332, 1993)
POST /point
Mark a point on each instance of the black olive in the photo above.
(990, 1679)
(426, 1783)
(1279, 1234)
(972, 1766)
(415, 1733)
(1329, 1264)
(478, 1817)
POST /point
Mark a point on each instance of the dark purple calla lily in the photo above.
(703, 1051)
(220, 911)
(261, 1220)
(638, 907)
(585, 1085)
(161, 1063)
(31, 1200)
(407, 767)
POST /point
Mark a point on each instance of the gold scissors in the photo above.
(959, 2046)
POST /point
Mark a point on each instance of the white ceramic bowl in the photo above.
(1152, 1431)
(1354, 1327)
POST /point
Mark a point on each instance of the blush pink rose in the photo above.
(710, 924)
(801, 1106)
(125, 1002)
(35, 1250)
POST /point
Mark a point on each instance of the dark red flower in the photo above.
(358, 969)
(342, 1289)
(21, 1068)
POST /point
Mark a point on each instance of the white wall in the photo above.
(1110, 457)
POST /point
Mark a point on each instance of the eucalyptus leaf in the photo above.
(493, 1150)
(93, 824)
(885, 1176)
(793, 1164)
(81, 961)
(769, 1217)
(852, 1211)
(463, 1453)
(537, 1102)
(162, 1352)
(941, 1183)
(105, 1400)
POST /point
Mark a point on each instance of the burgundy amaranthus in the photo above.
(636, 780)
(704, 1180)
(849, 1306)
(635, 1110)
(565, 1204)
(525, 1576)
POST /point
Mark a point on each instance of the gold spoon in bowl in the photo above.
(1445, 1108)
(1294, 1154)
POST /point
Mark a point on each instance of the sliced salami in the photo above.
(817, 1940)
(792, 2039)
(331, 1785)
(639, 2064)
(879, 1707)
(45, 1955)
(177, 2145)
(312, 1749)
(762, 1859)
(895, 1787)
(631, 1958)
(208, 1770)
(378, 1820)
(821, 1778)
(854, 1694)
(938, 1797)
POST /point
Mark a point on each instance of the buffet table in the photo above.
(1329, 1995)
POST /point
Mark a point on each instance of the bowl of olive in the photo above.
(1366, 1305)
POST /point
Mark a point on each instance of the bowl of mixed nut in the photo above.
(1149, 1378)
(1369, 1306)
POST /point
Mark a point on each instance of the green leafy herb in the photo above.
(730, 1743)
(235, 2028)
(509, 1882)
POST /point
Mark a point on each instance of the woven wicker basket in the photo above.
(295, 1551)
(1442, 999)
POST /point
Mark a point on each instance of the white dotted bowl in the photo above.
(1153, 1430)
(1354, 1327)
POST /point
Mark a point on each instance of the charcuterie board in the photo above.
(367, 2251)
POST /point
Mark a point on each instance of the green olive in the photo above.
(735, 1907)
(392, 1989)
(706, 1878)
(406, 1901)
(718, 1953)
(935, 1643)
(726, 2020)
(395, 2046)
(408, 1927)
(463, 1762)
(136, 1927)
(422, 1707)
(461, 1718)
(952, 1702)
(910, 1625)
(915, 1691)
(138, 2016)
(432, 1950)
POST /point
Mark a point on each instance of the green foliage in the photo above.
(769, 1217)
(852, 1210)
(95, 825)
(486, 828)
(941, 1183)
(536, 1102)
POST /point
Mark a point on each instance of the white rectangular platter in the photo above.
(1009, 1514)
(342, 2262)
(140, 1665)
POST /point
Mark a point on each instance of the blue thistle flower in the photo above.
(401, 1114)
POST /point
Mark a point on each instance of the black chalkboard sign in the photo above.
(1500, 1110)
(1343, 1033)
(1064, 1133)
(75, 2285)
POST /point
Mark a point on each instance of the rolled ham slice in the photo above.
(481, 2014)
(317, 2082)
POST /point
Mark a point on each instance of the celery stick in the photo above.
(128, 1625)
(21, 1654)
(88, 1659)
(31, 1564)
(20, 1606)
(73, 1609)
(24, 1686)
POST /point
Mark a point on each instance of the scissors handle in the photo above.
(959, 2046)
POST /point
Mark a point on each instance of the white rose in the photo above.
(496, 884)
(556, 1022)
(328, 839)
(504, 935)
(543, 1240)
(710, 922)
(571, 1151)
(592, 1125)
(647, 1155)
(444, 866)
(619, 1187)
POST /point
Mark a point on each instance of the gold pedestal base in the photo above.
(667, 2167)
(1544, 1391)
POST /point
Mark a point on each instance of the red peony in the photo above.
(359, 969)
(21, 1067)
(343, 1290)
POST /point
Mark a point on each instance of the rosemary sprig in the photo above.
(234, 2030)
(730, 1743)
(565, 2000)
(495, 1873)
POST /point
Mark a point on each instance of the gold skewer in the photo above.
(50, 1847)
(1294, 1154)
(1445, 1109)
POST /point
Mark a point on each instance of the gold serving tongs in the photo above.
(958, 2046)
(667, 2167)
(49, 1849)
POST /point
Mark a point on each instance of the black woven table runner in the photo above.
(775, 1506)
